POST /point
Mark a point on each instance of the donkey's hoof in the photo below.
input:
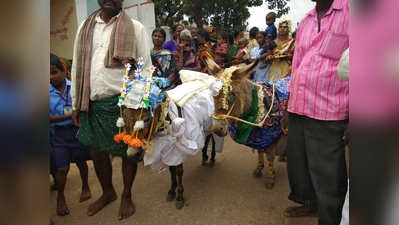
(204, 159)
(281, 159)
(170, 197)
(269, 185)
(179, 204)
(270, 181)
(211, 163)
(257, 173)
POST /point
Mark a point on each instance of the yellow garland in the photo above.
(226, 76)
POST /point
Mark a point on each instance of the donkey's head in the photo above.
(236, 95)
(130, 117)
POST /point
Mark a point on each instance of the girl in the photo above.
(205, 48)
(222, 50)
(261, 73)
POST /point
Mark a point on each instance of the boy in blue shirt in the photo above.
(67, 147)
(271, 28)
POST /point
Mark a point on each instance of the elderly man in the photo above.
(318, 110)
(105, 41)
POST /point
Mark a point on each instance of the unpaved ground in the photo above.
(224, 194)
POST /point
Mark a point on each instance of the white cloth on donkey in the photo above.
(188, 133)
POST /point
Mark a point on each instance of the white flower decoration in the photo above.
(137, 73)
(125, 79)
(140, 61)
(127, 66)
(123, 91)
(120, 103)
(152, 68)
(120, 122)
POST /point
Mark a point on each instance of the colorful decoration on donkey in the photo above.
(139, 93)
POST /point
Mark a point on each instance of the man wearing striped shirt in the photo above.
(318, 110)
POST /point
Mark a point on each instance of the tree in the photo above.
(218, 13)
(168, 12)
(279, 5)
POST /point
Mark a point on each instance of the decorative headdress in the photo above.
(138, 93)
(285, 23)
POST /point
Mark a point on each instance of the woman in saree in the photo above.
(260, 51)
(185, 56)
(171, 45)
(280, 52)
(206, 47)
(165, 61)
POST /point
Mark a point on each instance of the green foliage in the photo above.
(279, 5)
(168, 12)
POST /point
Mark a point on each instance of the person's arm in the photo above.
(221, 53)
(178, 59)
(75, 112)
(55, 119)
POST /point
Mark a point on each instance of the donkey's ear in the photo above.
(211, 66)
(245, 71)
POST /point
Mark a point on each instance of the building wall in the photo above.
(67, 15)
(63, 25)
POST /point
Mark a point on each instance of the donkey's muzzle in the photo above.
(220, 127)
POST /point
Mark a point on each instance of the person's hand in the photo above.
(288, 56)
(284, 123)
(346, 135)
(181, 47)
(76, 117)
(270, 57)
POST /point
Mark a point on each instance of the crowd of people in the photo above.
(317, 110)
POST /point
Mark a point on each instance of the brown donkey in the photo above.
(257, 103)
(170, 144)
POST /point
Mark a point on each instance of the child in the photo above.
(67, 147)
(242, 56)
(233, 49)
(252, 39)
(271, 28)
(222, 50)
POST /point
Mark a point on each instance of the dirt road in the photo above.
(224, 194)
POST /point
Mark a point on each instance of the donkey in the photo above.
(236, 101)
(168, 127)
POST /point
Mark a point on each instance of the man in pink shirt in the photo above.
(318, 110)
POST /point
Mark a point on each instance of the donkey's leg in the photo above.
(270, 176)
(172, 191)
(261, 164)
(213, 154)
(205, 149)
(180, 189)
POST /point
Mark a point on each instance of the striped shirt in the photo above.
(315, 89)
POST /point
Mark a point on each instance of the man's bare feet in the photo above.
(307, 210)
(62, 208)
(101, 202)
(85, 195)
(127, 208)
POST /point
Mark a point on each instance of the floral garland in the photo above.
(226, 76)
(128, 139)
(143, 87)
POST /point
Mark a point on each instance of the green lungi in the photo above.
(98, 126)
